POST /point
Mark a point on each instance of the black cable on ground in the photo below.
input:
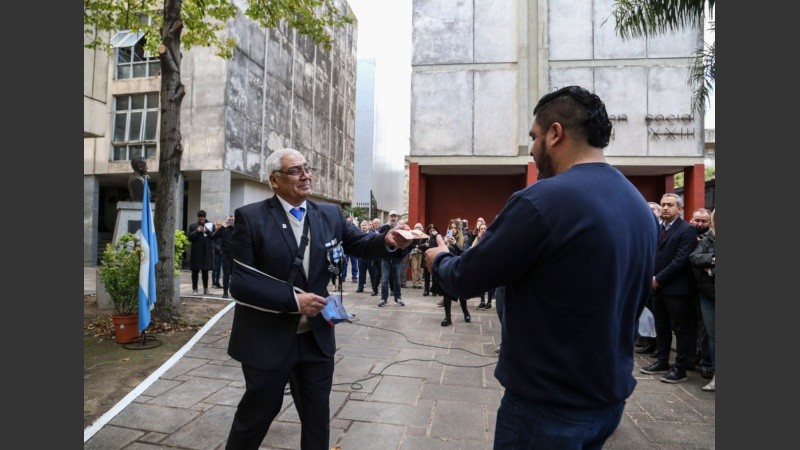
(356, 385)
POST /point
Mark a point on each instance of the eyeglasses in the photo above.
(298, 170)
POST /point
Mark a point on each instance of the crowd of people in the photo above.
(388, 276)
(575, 283)
(682, 299)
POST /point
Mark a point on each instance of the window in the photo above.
(132, 61)
(135, 126)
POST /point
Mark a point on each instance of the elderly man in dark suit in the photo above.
(674, 294)
(283, 249)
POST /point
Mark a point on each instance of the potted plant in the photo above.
(119, 273)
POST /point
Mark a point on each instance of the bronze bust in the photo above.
(138, 178)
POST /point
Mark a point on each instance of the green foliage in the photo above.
(181, 243)
(204, 21)
(120, 273)
(636, 18)
(120, 269)
(709, 174)
(356, 211)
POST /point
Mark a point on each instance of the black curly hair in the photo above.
(576, 109)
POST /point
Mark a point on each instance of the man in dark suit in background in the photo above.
(674, 294)
(282, 249)
(223, 236)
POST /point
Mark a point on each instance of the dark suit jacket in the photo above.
(201, 251)
(223, 236)
(263, 239)
(672, 269)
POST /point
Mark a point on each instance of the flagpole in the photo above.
(147, 267)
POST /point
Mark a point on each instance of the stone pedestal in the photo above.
(129, 219)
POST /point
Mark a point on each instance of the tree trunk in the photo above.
(169, 163)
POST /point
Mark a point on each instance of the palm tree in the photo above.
(636, 18)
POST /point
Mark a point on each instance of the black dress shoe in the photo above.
(646, 345)
(468, 318)
(447, 322)
(426, 293)
(359, 290)
(675, 375)
(649, 349)
(656, 367)
(373, 294)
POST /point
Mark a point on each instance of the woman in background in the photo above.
(427, 283)
(455, 243)
(479, 232)
(415, 261)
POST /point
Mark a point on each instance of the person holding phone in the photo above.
(201, 253)
(454, 239)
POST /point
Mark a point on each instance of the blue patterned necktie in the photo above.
(298, 212)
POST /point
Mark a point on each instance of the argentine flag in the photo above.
(147, 267)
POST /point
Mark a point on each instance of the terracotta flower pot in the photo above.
(126, 328)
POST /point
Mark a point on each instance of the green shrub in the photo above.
(181, 243)
(119, 270)
(120, 273)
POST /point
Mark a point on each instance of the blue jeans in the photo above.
(707, 308)
(354, 268)
(394, 270)
(523, 424)
(217, 269)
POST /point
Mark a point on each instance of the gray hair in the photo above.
(678, 198)
(274, 159)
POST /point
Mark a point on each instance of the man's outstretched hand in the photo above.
(430, 254)
(395, 239)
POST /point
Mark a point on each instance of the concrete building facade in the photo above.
(279, 90)
(380, 171)
(478, 69)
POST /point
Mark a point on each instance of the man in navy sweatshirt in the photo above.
(576, 280)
